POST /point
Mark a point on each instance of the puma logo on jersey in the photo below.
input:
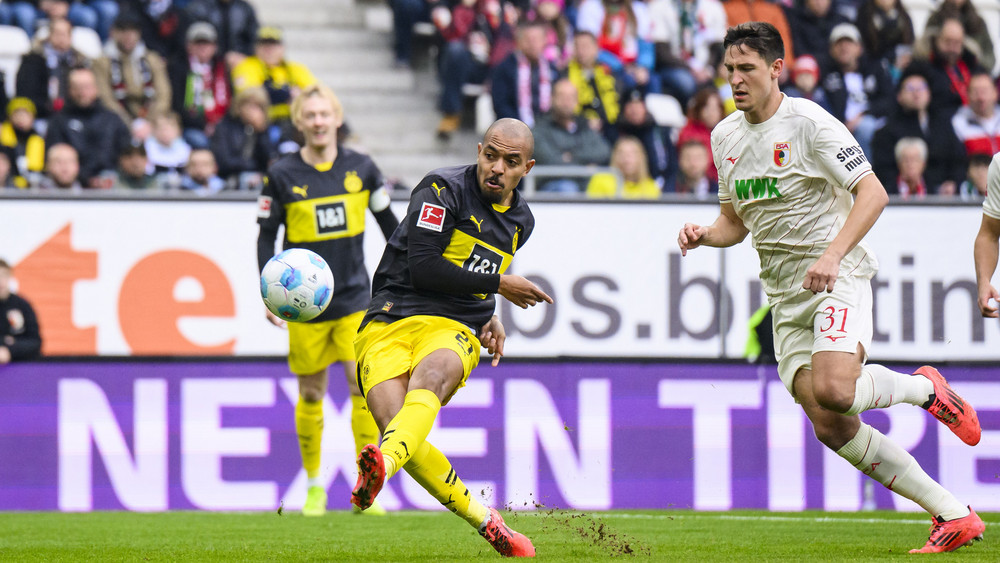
(301, 191)
(479, 224)
(732, 159)
(756, 188)
(437, 188)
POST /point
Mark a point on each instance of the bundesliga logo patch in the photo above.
(431, 217)
(782, 153)
(264, 206)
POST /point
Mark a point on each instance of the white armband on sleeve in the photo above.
(379, 200)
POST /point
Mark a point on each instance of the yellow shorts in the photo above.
(312, 347)
(385, 351)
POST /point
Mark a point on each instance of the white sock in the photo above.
(390, 466)
(314, 482)
(881, 459)
(879, 387)
(485, 522)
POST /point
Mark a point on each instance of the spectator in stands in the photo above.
(167, 152)
(559, 35)
(30, 15)
(563, 137)
(692, 162)
(636, 121)
(914, 118)
(26, 147)
(973, 188)
(132, 80)
(42, 76)
(62, 168)
(132, 169)
(972, 25)
(236, 22)
(682, 34)
(474, 35)
(948, 64)
(405, 14)
(623, 32)
(811, 25)
(7, 177)
(267, 68)
(599, 100)
(629, 159)
(201, 176)
(742, 11)
(805, 82)
(911, 160)
(241, 143)
(704, 113)
(20, 337)
(720, 77)
(858, 88)
(90, 128)
(200, 85)
(522, 82)
(161, 24)
(886, 32)
(977, 125)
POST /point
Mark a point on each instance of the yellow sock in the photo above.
(434, 472)
(409, 428)
(362, 423)
(309, 427)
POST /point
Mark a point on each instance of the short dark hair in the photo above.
(4, 265)
(133, 149)
(761, 37)
(980, 159)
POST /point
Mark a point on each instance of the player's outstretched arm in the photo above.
(985, 253)
(521, 292)
(492, 336)
(727, 230)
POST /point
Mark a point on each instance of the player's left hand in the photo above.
(822, 275)
(492, 337)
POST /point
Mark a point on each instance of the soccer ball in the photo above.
(296, 285)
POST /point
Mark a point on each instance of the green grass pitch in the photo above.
(440, 536)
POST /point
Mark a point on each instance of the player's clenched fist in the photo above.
(521, 292)
(690, 237)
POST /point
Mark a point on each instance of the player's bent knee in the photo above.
(833, 397)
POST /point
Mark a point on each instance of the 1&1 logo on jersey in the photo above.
(431, 217)
(782, 153)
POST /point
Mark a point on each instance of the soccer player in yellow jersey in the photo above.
(988, 242)
(432, 306)
(787, 172)
(320, 195)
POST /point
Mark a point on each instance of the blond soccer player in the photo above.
(320, 194)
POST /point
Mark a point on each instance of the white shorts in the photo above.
(807, 323)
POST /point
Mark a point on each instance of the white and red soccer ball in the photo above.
(296, 285)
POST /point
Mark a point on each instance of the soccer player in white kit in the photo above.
(787, 171)
(988, 242)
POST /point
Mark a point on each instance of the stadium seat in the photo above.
(666, 110)
(14, 43)
(87, 42)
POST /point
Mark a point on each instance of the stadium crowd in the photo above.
(183, 95)
(193, 95)
(923, 109)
